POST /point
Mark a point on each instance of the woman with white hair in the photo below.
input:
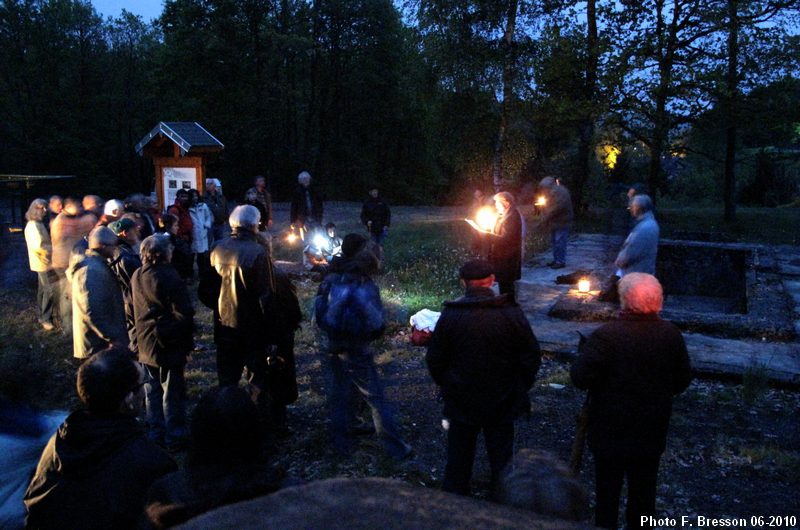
(505, 243)
(306, 209)
(40, 251)
(632, 367)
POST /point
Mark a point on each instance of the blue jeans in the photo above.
(165, 402)
(353, 366)
(558, 240)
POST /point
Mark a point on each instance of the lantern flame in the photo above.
(319, 241)
(486, 218)
(584, 285)
(291, 238)
(540, 201)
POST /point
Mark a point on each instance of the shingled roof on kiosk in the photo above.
(189, 136)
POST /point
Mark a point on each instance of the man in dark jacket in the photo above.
(164, 325)
(632, 367)
(348, 308)
(505, 244)
(244, 269)
(376, 216)
(557, 217)
(306, 209)
(218, 205)
(484, 356)
(95, 471)
(123, 264)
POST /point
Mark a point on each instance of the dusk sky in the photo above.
(148, 9)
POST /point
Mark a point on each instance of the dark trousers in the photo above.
(354, 366)
(64, 301)
(47, 295)
(236, 353)
(461, 441)
(640, 473)
(558, 241)
(165, 402)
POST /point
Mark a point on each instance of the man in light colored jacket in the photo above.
(638, 253)
(98, 312)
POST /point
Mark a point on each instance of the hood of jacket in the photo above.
(85, 440)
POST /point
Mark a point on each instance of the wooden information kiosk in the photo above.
(179, 150)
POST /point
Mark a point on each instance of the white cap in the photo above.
(113, 207)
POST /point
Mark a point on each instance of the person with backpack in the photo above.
(349, 310)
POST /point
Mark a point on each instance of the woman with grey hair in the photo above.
(505, 243)
(40, 251)
(632, 367)
(163, 316)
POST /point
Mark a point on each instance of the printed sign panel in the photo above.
(176, 178)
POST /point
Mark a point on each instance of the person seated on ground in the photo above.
(484, 356)
(632, 368)
(226, 462)
(537, 481)
(639, 251)
(95, 471)
(321, 249)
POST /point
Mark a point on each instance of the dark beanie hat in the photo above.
(352, 243)
(476, 269)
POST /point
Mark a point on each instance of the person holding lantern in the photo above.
(505, 243)
(557, 216)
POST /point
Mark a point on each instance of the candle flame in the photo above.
(584, 285)
(291, 238)
(540, 201)
(486, 218)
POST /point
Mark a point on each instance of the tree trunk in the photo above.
(586, 129)
(508, 93)
(729, 185)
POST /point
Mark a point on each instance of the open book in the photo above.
(475, 225)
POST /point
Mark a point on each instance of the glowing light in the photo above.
(584, 285)
(540, 201)
(608, 155)
(319, 241)
(291, 238)
(486, 218)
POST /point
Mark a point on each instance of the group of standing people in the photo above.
(483, 354)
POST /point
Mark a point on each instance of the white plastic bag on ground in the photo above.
(425, 320)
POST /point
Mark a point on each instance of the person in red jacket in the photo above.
(181, 210)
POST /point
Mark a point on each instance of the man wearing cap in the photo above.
(123, 264)
(98, 312)
(484, 356)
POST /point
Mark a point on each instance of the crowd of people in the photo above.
(117, 275)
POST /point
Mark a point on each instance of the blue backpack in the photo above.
(348, 307)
